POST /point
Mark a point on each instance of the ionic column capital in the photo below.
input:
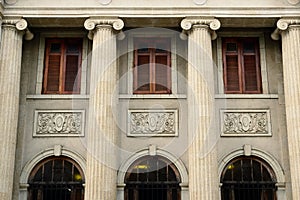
(282, 25)
(91, 23)
(212, 23)
(20, 25)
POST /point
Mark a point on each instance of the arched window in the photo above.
(152, 178)
(248, 178)
(58, 178)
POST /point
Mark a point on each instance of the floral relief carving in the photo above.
(152, 123)
(245, 123)
(64, 123)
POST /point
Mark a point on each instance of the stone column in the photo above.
(10, 71)
(203, 179)
(289, 28)
(101, 173)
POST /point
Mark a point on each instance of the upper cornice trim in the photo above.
(150, 11)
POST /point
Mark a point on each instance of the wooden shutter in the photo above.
(62, 66)
(241, 65)
(232, 69)
(152, 73)
(53, 64)
(251, 66)
(72, 66)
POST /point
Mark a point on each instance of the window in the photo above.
(152, 178)
(62, 66)
(58, 178)
(241, 64)
(248, 178)
(152, 66)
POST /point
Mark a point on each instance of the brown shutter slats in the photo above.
(241, 65)
(53, 73)
(71, 73)
(62, 66)
(152, 73)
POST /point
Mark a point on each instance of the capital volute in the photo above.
(20, 24)
(282, 25)
(214, 24)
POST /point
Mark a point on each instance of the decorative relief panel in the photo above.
(245, 123)
(59, 123)
(152, 123)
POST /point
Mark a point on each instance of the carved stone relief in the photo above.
(245, 123)
(59, 123)
(152, 123)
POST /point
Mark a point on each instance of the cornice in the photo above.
(283, 24)
(218, 12)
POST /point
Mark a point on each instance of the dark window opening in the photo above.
(152, 178)
(248, 178)
(57, 178)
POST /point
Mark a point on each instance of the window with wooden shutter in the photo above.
(241, 66)
(62, 66)
(152, 66)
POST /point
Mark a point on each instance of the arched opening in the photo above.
(58, 178)
(152, 178)
(248, 178)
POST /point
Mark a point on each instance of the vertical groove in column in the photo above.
(10, 69)
(291, 71)
(202, 156)
(101, 170)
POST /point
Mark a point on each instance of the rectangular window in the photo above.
(62, 66)
(241, 66)
(152, 66)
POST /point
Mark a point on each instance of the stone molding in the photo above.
(91, 23)
(282, 25)
(214, 24)
(152, 123)
(245, 123)
(53, 123)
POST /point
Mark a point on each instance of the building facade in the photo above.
(150, 100)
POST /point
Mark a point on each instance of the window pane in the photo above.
(232, 73)
(57, 170)
(73, 48)
(161, 73)
(231, 47)
(143, 73)
(71, 73)
(249, 47)
(250, 73)
(55, 48)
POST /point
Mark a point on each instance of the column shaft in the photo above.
(202, 153)
(291, 72)
(10, 71)
(101, 172)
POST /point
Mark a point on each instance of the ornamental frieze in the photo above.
(59, 123)
(245, 123)
(152, 123)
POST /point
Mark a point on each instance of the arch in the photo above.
(146, 152)
(268, 158)
(55, 151)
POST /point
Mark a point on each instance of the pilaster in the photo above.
(101, 173)
(10, 71)
(289, 29)
(203, 180)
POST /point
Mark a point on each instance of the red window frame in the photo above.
(67, 63)
(241, 67)
(152, 52)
